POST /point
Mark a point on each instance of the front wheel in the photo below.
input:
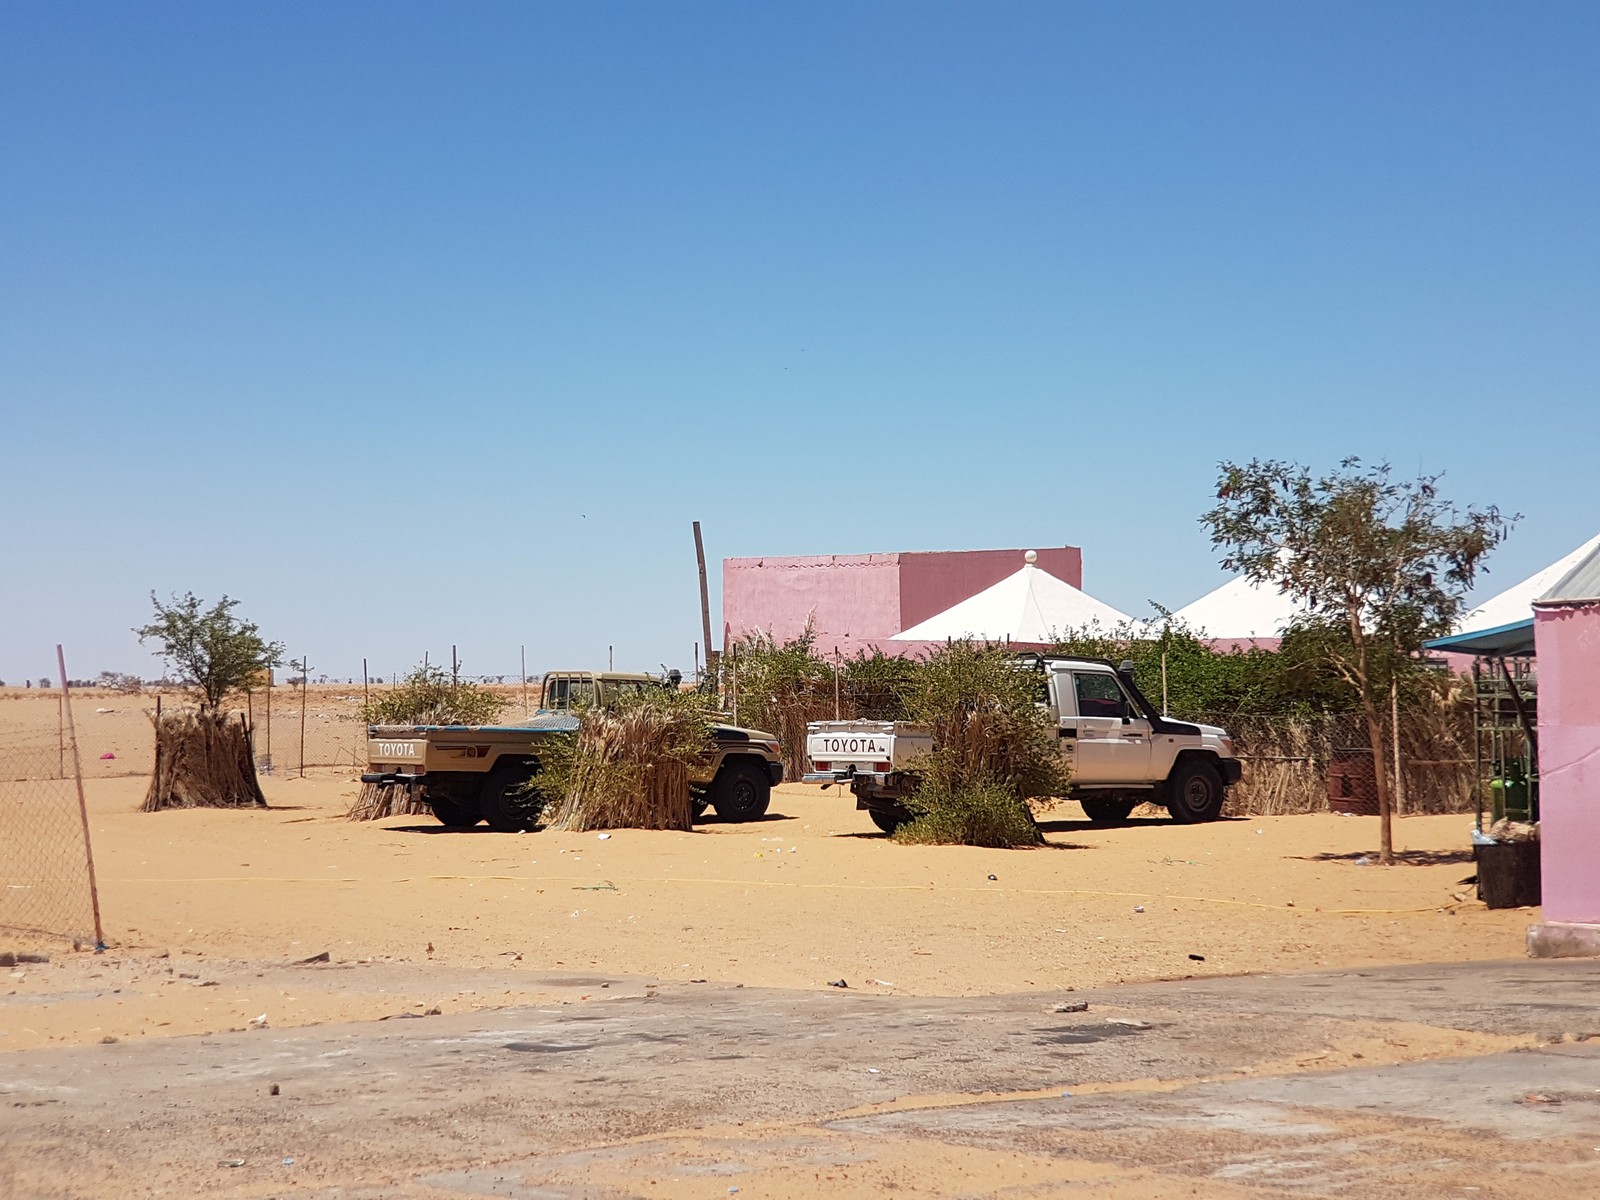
(741, 792)
(509, 803)
(1195, 792)
(1103, 811)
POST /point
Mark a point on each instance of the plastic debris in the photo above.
(839, 983)
(107, 755)
(993, 878)
(874, 1071)
(1138, 908)
(230, 1162)
(1198, 957)
(288, 1162)
(1071, 1006)
(602, 837)
(1363, 861)
(1066, 1095)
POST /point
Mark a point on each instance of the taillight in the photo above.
(883, 766)
(822, 766)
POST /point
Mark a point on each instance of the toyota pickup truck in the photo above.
(1121, 751)
(473, 773)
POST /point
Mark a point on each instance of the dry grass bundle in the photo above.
(379, 800)
(204, 759)
(628, 768)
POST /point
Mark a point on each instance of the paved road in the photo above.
(1472, 1080)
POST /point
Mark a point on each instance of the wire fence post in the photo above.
(523, 653)
(83, 804)
(305, 679)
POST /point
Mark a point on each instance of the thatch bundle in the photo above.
(379, 800)
(628, 769)
(204, 759)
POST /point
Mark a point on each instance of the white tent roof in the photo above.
(1031, 606)
(1516, 602)
(1240, 609)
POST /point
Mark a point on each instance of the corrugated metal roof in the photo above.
(1577, 585)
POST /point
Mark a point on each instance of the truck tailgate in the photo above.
(865, 745)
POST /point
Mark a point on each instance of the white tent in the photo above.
(1240, 609)
(1516, 602)
(1031, 606)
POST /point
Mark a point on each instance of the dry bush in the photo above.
(204, 759)
(628, 766)
(379, 800)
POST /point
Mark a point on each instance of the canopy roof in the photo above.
(1031, 606)
(1240, 609)
(1504, 641)
(1581, 585)
(1516, 602)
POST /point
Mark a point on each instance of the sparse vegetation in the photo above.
(428, 696)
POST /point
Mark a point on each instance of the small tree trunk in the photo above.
(1381, 776)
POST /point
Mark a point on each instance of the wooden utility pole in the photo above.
(705, 601)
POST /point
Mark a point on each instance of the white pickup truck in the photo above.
(1121, 750)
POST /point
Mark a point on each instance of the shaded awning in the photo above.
(1503, 641)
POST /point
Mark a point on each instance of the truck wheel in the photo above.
(1107, 812)
(888, 820)
(508, 805)
(1195, 792)
(454, 812)
(740, 792)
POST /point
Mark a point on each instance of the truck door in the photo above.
(1113, 738)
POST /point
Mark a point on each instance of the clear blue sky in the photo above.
(418, 324)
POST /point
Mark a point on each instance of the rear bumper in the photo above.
(389, 778)
(1232, 770)
(826, 778)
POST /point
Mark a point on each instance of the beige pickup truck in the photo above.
(473, 773)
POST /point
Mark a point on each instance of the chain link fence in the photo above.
(44, 859)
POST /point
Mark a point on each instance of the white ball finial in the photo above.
(1031, 557)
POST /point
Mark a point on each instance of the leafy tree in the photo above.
(211, 651)
(1380, 565)
(428, 696)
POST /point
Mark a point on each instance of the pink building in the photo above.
(856, 602)
(1566, 627)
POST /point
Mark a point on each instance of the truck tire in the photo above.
(506, 804)
(1195, 792)
(1103, 811)
(741, 792)
(889, 819)
(698, 802)
(453, 812)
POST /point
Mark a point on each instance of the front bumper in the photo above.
(775, 773)
(1232, 771)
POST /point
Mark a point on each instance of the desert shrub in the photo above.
(116, 681)
(628, 765)
(976, 813)
(780, 687)
(203, 759)
(428, 696)
(994, 749)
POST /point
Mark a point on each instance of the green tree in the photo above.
(1386, 563)
(429, 696)
(209, 650)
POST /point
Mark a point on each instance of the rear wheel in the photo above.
(1103, 811)
(889, 819)
(509, 803)
(453, 811)
(741, 792)
(1195, 792)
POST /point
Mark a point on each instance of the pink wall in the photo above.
(856, 602)
(1568, 642)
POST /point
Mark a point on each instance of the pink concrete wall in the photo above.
(1568, 642)
(857, 602)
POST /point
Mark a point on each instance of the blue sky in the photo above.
(411, 325)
